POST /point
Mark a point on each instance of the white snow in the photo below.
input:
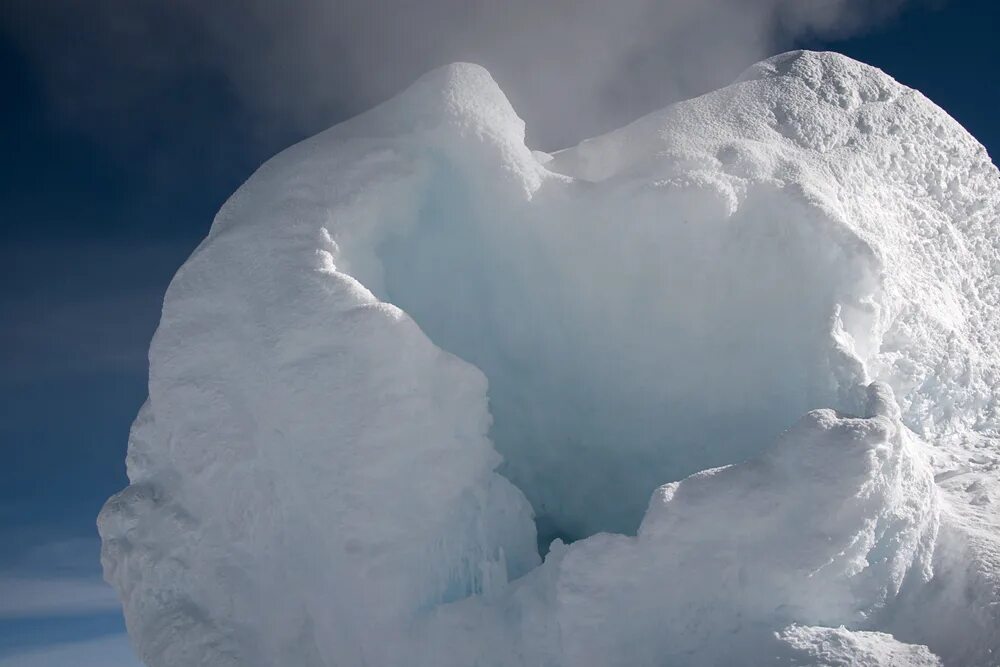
(409, 340)
(839, 647)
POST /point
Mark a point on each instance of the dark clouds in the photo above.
(571, 67)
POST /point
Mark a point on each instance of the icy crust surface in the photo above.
(893, 170)
(839, 647)
(411, 352)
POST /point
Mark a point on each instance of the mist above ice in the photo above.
(301, 65)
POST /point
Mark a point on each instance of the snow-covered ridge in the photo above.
(411, 353)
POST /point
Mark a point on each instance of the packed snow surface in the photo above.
(717, 388)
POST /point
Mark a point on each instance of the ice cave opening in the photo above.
(738, 320)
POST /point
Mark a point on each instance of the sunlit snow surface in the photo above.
(409, 340)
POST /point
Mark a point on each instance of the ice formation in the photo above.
(414, 357)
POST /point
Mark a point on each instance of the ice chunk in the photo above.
(407, 337)
(839, 647)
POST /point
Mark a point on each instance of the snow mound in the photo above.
(839, 647)
(412, 353)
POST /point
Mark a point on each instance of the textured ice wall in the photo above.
(310, 469)
(894, 171)
(312, 478)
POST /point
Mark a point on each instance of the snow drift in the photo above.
(412, 357)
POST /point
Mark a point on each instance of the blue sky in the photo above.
(100, 204)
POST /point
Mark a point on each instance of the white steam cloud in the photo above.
(571, 67)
